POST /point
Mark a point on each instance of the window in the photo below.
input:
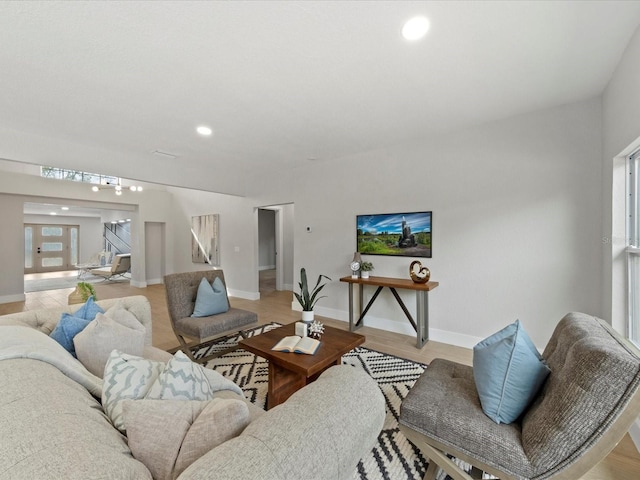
(78, 176)
(633, 246)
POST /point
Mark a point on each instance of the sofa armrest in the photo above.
(320, 433)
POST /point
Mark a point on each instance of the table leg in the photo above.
(422, 312)
(351, 307)
(282, 384)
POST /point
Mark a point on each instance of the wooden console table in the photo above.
(422, 301)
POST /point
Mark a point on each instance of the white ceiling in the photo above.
(281, 82)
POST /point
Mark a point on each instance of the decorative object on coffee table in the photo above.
(308, 299)
(82, 292)
(418, 273)
(316, 329)
(365, 268)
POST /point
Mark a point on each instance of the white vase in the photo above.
(364, 274)
(307, 316)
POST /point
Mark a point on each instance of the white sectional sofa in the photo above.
(53, 427)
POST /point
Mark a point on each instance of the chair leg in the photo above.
(189, 347)
(184, 346)
(437, 458)
(431, 471)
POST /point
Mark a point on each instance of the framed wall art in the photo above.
(205, 231)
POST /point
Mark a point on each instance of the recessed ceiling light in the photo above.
(416, 28)
(52, 213)
(204, 130)
(64, 208)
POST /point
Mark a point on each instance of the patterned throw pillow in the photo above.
(181, 379)
(168, 436)
(126, 377)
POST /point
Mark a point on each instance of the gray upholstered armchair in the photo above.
(181, 289)
(586, 406)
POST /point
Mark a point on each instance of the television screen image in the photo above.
(402, 234)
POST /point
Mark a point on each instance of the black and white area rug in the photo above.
(393, 457)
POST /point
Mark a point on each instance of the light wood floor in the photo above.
(623, 463)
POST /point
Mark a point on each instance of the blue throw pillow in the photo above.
(508, 372)
(211, 299)
(89, 310)
(68, 327)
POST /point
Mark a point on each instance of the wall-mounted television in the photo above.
(402, 234)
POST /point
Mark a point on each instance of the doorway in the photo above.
(275, 248)
(50, 248)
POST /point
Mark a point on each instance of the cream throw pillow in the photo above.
(168, 436)
(117, 328)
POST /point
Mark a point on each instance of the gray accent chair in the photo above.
(588, 403)
(181, 290)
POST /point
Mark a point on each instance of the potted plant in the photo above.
(365, 268)
(82, 293)
(306, 298)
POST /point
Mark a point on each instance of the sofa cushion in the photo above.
(508, 372)
(211, 298)
(168, 436)
(115, 329)
(52, 429)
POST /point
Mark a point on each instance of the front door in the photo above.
(50, 248)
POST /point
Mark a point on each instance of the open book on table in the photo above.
(297, 344)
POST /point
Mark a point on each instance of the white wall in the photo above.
(238, 237)
(12, 251)
(155, 252)
(288, 245)
(620, 132)
(516, 226)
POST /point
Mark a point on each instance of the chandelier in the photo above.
(116, 187)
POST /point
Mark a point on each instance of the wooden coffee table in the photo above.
(289, 372)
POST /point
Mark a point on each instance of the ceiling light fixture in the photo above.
(52, 213)
(204, 130)
(116, 187)
(415, 29)
(64, 208)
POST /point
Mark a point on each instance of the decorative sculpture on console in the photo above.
(420, 274)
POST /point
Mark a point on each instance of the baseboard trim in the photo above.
(137, 284)
(243, 294)
(267, 267)
(634, 433)
(154, 281)
(403, 327)
(20, 297)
